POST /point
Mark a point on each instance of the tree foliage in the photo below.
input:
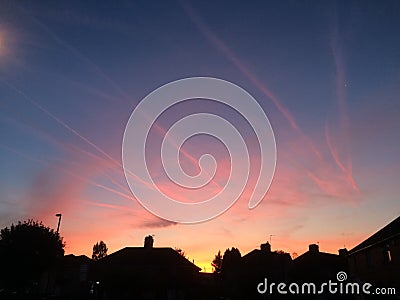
(230, 259)
(99, 250)
(217, 263)
(27, 250)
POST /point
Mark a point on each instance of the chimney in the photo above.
(148, 242)
(343, 252)
(265, 247)
(313, 248)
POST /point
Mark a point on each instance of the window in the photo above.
(387, 257)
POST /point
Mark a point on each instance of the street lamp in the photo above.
(59, 221)
(270, 238)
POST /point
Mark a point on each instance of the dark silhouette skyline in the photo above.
(72, 75)
(325, 73)
(33, 268)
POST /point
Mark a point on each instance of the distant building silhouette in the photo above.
(257, 265)
(148, 242)
(377, 259)
(163, 273)
(266, 263)
(72, 280)
(145, 273)
(316, 266)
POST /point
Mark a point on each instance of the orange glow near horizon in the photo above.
(71, 78)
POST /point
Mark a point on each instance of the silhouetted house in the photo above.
(72, 280)
(266, 263)
(260, 264)
(315, 266)
(145, 273)
(377, 259)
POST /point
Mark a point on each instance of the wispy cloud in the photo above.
(343, 161)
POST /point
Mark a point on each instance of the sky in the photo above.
(327, 75)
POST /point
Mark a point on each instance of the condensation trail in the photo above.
(58, 120)
(70, 129)
(221, 46)
(344, 120)
(76, 150)
(338, 162)
(80, 56)
(106, 205)
(31, 158)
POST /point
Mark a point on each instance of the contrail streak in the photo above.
(221, 46)
(31, 158)
(79, 55)
(344, 121)
(58, 120)
(70, 129)
(101, 73)
(346, 172)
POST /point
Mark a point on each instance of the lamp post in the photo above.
(59, 222)
(270, 238)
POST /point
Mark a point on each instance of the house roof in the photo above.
(259, 258)
(317, 257)
(316, 266)
(258, 252)
(153, 257)
(76, 258)
(251, 254)
(390, 230)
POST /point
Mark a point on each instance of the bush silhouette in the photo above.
(27, 250)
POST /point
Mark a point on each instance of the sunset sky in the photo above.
(326, 74)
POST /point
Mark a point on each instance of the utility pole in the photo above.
(270, 238)
(59, 222)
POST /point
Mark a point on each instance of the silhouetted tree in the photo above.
(230, 259)
(27, 250)
(230, 272)
(99, 250)
(217, 263)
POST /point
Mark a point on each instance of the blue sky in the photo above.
(326, 74)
